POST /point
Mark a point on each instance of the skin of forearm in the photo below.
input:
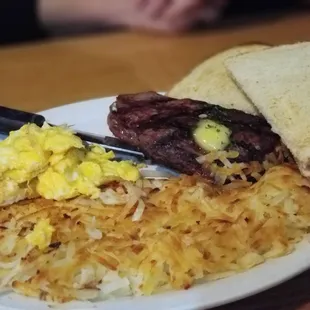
(70, 12)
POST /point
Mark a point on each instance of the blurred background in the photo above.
(53, 52)
(29, 20)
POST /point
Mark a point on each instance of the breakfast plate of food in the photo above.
(183, 200)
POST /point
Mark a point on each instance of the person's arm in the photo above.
(22, 20)
(74, 12)
(153, 15)
(19, 21)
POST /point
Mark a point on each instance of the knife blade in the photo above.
(12, 119)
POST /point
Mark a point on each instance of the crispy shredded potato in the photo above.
(139, 239)
(223, 169)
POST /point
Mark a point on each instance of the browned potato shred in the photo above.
(182, 232)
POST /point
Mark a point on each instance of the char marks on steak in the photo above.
(162, 128)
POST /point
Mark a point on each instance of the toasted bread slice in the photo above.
(277, 81)
(210, 82)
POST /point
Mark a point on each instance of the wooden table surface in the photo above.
(40, 76)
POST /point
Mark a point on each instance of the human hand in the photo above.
(180, 15)
(156, 15)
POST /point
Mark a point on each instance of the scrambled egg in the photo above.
(54, 163)
(41, 236)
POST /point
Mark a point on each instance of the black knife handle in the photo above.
(11, 119)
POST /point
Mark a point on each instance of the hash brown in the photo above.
(144, 238)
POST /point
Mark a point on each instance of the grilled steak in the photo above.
(162, 128)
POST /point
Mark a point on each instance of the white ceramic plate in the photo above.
(91, 116)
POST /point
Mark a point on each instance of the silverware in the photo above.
(11, 119)
(157, 172)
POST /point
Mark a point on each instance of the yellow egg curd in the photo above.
(54, 163)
